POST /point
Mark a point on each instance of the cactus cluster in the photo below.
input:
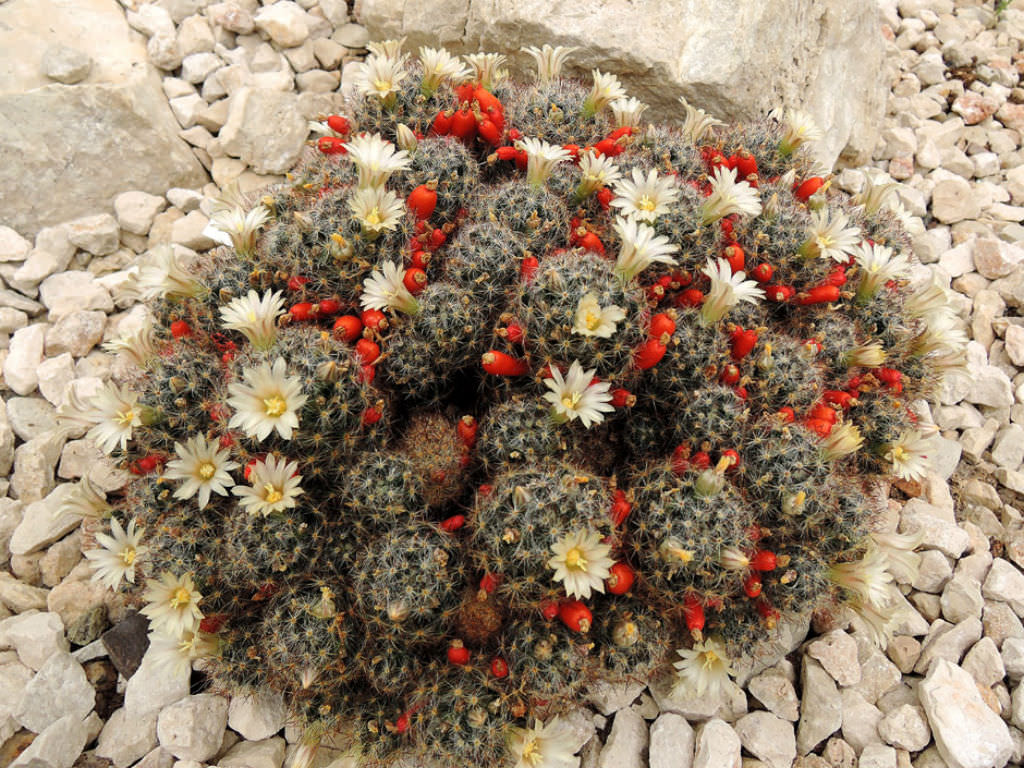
(505, 392)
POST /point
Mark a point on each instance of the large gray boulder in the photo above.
(68, 150)
(734, 58)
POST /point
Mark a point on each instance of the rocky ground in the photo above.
(945, 693)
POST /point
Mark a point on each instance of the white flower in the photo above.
(830, 239)
(878, 267)
(842, 441)
(880, 621)
(596, 171)
(549, 60)
(942, 335)
(388, 49)
(274, 487)
(114, 413)
(594, 320)
(267, 401)
(406, 139)
(697, 122)
(645, 197)
(729, 196)
(869, 355)
(139, 346)
(165, 277)
(574, 397)
(385, 289)
(376, 159)
(204, 467)
(85, 500)
(439, 65)
(544, 746)
(800, 127)
(875, 193)
(379, 77)
(177, 652)
(487, 68)
(254, 317)
(581, 563)
(867, 579)
(703, 669)
(606, 89)
(909, 455)
(172, 604)
(541, 158)
(376, 209)
(728, 288)
(239, 227)
(898, 548)
(118, 556)
(626, 112)
(640, 247)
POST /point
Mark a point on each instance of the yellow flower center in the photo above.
(180, 597)
(124, 417)
(128, 556)
(275, 406)
(373, 217)
(571, 399)
(708, 659)
(899, 453)
(271, 494)
(593, 320)
(532, 754)
(576, 559)
(206, 470)
(646, 203)
(250, 316)
(382, 86)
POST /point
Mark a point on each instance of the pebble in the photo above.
(58, 746)
(25, 353)
(860, 719)
(267, 753)
(877, 756)
(967, 733)
(948, 642)
(627, 742)
(820, 709)
(284, 22)
(73, 291)
(777, 694)
(66, 65)
(36, 637)
(672, 742)
(961, 599)
(153, 687)
(126, 738)
(59, 689)
(192, 728)
(1012, 654)
(1006, 583)
(135, 210)
(257, 716)
(768, 738)
(984, 663)
(13, 247)
(906, 727)
(43, 523)
(718, 746)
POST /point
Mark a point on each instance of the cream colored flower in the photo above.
(729, 196)
(268, 400)
(640, 247)
(172, 604)
(594, 320)
(388, 49)
(575, 397)
(869, 355)
(118, 556)
(254, 317)
(697, 122)
(139, 346)
(239, 227)
(164, 276)
(376, 159)
(385, 289)
(596, 171)
(438, 66)
(581, 563)
(645, 197)
(86, 500)
(380, 77)
(828, 237)
(543, 746)
(549, 60)
(177, 652)
(728, 289)
(626, 113)
(878, 266)
(909, 455)
(204, 466)
(876, 192)
(541, 159)
(867, 579)
(487, 69)
(799, 128)
(114, 411)
(703, 669)
(376, 209)
(605, 90)
(274, 487)
(842, 441)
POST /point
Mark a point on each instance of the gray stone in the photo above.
(1000, 622)
(768, 738)
(73, 291)
(33, 472)
(97, 234)
(718, 746)
(933, 573)
(14, 676)
(672, 742)
(877, 756)
(776, 693)
(1004, 582)
(264, 129)
(821, 707)
(136, 210)
(59, 689)
(760, 62)
(197, 67)
(25, 353)
(66, 65)
(948, 642)
(1008, 448)
(268, 753)
(608, 698)
(990, 386)
(55, 375)
(30, 416)
(976, 440)
(627, 742)
(36, 637)
(189, 232)
(906, 727)
(43, 522)
(20, 597)
(878, 675)
(728, 703)
(984, 663)
(76, 333)
(1012, 654)
(961, 599)
(953, 201)
(56, 747)
(126, 738)
(860, 720)
(967, 733)
(154, 687)
(285, 23)
(257, 716)
(192, 728)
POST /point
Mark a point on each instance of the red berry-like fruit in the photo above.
(464, 125)
(752, 585)
(763, 560)
(661, 324)
(331, 145)
(295, 282)
(499, 667)
(691, 297)
(730, 374)
(620, 579)
(452, 523)
(466, 429)
(415, 280)
(499, 364)
(302, 311)
(347, 328)
(458, 654)
(326, 307)
(442, 125)
(693, 612)
(762, 272)
(180, 329)
(423, 200)
(372, 416)
(374, 319)
(367, 350)
(489, 132)
(649, 354)
(620, 507)
(804, 191)
(623, 398)
(735, 256)
(339, 124)
(576, 616)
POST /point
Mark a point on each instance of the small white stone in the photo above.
(626, 743)
(153, 687)
(718, 746)
(192, 729)
(66, 65)
(1014, 339)
(961, 598)
(984, 663)
(55, 376)
(36, 637)
(188, 231)
(948, 642)
(352, 36)
(768, 738)
(860, 719)
(285, 23)
(776, 693)
(906, 727)
(136, 210)
(197, 67)
(56, 747)
(821, 708)
(59, 689)
(99, 234)
(267, 753)
(76, 333)
(257, 716)
(43, 523)
(68, 292)
(672, 742)
(13, 247)
(877, 756)
(959, 260)
(125, 738)
(21, 367)
(1005, 582)
(837, 652)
